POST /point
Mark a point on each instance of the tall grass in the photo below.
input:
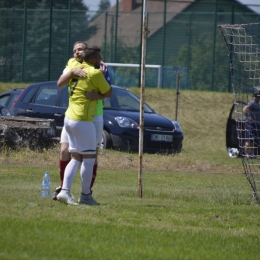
(196, 204)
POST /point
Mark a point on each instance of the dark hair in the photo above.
(256, 94)
(91, 52)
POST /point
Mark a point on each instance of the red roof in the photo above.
(129, 23)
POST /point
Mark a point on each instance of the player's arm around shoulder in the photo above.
(107, 94)
(65, 78)
(102, 85)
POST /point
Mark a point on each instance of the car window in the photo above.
(124, 100)
(12, 99)
(29, 95)
(4, 99)
(64, 99)
(47, 95)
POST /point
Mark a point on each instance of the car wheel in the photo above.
(106, 142)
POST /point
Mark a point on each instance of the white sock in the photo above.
(69, 174)
(86, 172)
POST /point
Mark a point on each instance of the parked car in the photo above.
(7, 98)
(121, 118)
(232, 141)
(4, 111)
(43, 100)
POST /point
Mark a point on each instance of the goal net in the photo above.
(243, 43)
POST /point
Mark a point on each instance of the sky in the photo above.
(93, 4)
(253, 2)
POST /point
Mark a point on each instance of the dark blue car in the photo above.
(4, 111)
(121, 118)
(7, 98)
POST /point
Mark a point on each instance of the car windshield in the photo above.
(125, 100)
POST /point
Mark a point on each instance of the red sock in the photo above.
(94, 175)
(62, 166)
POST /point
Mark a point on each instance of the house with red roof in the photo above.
(172, 25)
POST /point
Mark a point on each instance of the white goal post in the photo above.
(159, 67)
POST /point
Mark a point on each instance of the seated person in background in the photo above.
(252, 113)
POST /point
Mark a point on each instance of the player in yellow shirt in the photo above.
(79, 117)
(65, 156)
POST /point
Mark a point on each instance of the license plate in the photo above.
(161, 138)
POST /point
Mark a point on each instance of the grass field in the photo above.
(196, 205)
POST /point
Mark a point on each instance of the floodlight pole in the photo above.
(142, 87)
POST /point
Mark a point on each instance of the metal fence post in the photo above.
(115, 48)
(50, 42)
(105, 36)
(69, 29)
(24, 39)
(214, 47)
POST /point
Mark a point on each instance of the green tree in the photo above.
(16, 3)
(51, 48)
(104, 5)
(32, 4)
(46, 53)
(122, 76)
(203, 65)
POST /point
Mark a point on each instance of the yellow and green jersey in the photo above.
(80, 108)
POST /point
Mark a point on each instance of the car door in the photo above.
(233, 123)
(60, 109)
(44, 101)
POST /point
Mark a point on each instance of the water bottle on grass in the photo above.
(46, 185)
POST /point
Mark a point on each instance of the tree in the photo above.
(32, 4)
(202, 68)
(51, 50)
(29, 47)
(104, 5)
(122, 76)
(16, 3)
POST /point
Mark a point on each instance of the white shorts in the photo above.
(81, 136)
(99, 131)
(64, 136)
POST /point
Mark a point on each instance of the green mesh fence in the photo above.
(37, 38)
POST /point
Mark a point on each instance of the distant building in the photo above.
(170, 23)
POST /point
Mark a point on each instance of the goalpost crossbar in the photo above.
(128, 65)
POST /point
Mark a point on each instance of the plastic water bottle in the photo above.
(46, 185)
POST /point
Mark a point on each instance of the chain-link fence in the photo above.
(36, 40)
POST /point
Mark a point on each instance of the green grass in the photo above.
(196, 205)
(181, 216)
